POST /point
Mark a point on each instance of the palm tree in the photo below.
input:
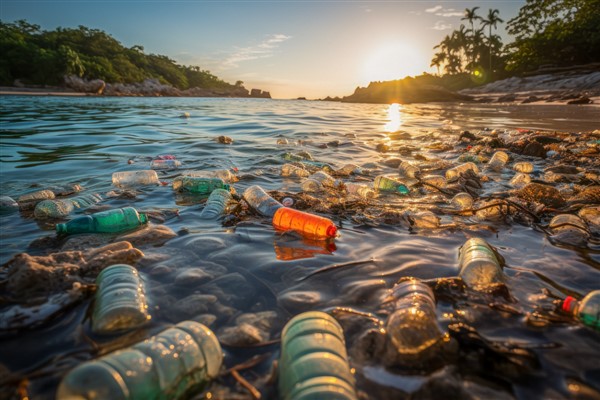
(492, 20)
(437, 60)
(461, 43)
(471, 16)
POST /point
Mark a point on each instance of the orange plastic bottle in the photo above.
(309, 225)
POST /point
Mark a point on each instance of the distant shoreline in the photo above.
(17, 91)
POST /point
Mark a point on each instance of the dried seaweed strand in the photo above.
(247, 385)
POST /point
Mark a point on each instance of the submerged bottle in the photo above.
(498, 161)
(349, 169)
(319, 181)
(223, 174)
(520, 180)
(8, 205)
(412, 327)
(174, 364)
(424, 220)
(455, 172)
(462, 201)
(110, 221)
(165, 164)
(216, 204)
(60, 208)
(30, 200)
(314, 361)
(469, 157)
(523, 167)
(384, 183)
(407, 170)
(259, 200)
(120, 301)
(292, 170)
(587, 310)
(359, 190)
(135, 178)
(198, 185)
(478, 264)
(309, 225)
(65, 190)
(435, 180)
(567, 222)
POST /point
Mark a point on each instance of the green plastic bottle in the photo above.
(314, 362)
(384, 183)
(198, 185)
(111, 221)
(587, 310)
(174, 364)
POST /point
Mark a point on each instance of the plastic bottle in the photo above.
(318, 181)
(223, 174)
(349, 169)
(216, 204)
(60, 208)
(292, 170)
(120, 301)
(566, 222)
(384, 183)
(424, 219)
(586, 310)
(478, 264)
(309, 225)
(111, 221)
(468, 157)
(412, 327)
(165, 164)
(8, 205)
(498, 161)
(490, 210)
(520, 180)
(300, 156)
(198, 184)
(591, 215)
(435, 180)
(407, 170)
(359, 190)
(30, 200)
(455, 172)
(314, 361)
(174, 364)
(135, 178)
(524, 167)
(259, 200)
(462, 201)
(65, 190)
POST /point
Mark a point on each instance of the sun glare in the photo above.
(392, 61)
(394, 117)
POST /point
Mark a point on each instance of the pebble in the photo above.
(192, 277)
(151, 235)
(193, 305)
(296, 300)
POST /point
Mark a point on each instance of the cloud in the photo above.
(441, 26)
(265, 49)
(434, 9)
(450, 14)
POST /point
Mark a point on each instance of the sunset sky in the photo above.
(290, 48)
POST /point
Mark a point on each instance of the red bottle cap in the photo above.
(331, 231)
(569, 304)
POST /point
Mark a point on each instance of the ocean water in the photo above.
(49, 141)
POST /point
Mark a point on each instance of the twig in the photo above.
(251, 389)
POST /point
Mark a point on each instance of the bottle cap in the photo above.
(331, 231)
(568, 304)
(61, 228)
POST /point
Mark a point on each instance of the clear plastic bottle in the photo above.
(462, 201)
(308, 225)
(223, 174)
(198, 185)
(318, 181)
(587, 310)
(520, 180)
(523, 167)
(478, 264)
(435, 180)
(566, 222)
(407, 170)
(384, 183)
(174, 364)
(8, 205)
(259, 200)
(424, 220)
(498, 161)
(60, 208)
(29, 201)
(455, 172)
(591, 215)
(292, 170)
(135, 178)
(349, 169)
(359, 190)
(314, 361)
(165, 164)
(111, 221)
(120, 301)
(216, 204)
(412, 327)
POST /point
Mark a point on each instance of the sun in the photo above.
(393, 61)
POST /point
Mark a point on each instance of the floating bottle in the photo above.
(292, 170)
(591, 215)
(469, 157)
(110, 221)
(455, 172)
(523, 167)
(407, 170)
(490, 210)
(478, 264)
(29, 201)
(165, 164)
(424, 220)
(120, 301)
(319, 181)
(435, 180)
(135, 178)
(384, 183)
(60, 208)
(300, 156)
(314, 361)
(462, 201)
(586, 310)
(520, 180)
(567, 222)
(174, 364)
(349, 169)
(309, 225)
(216, 204)
(412, 327)
(198, 185)
(359, 190)
(259, 200)
(8, 205)
(223, 174)
(498, 161)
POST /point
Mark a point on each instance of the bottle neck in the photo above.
(61, 228)
(569, 305)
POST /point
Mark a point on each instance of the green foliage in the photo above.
(45, 57)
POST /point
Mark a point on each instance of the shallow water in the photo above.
(47, 141)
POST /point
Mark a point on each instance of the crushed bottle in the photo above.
(174, 364)
(478, 264)
(120, 300)
(454, 173)
(314, 362)
(359, 190)
(110, 221)
(498, 161)
(292, 170)
(30, 200)
(260, 201)
(309, 225)
(384, 183)
(216, 204)
(60, 208)
(587, 310)
(135, 178)
(198, 185)
(523, 167)
(318, 182)
(520, 180)
(408, 170)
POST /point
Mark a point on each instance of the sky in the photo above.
(291, 48)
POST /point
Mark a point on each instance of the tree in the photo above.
(492, 20)
(438, 60)
(471, 16)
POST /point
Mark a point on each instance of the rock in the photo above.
(205, 319)
(85, 241)
(507, 98)
(467, 135)
(263, 320)
(530, 99)
(192, 277)
(231, 289)
(151, 235)
(242, 335)
(114, 253)
(224, 139)
(534, 149)
(193, 305)
(382, 148)
(589, 195)
(160, 270)
(297, 301)
(95, 86)
(537, 192)
(546, 139)
(581, 100)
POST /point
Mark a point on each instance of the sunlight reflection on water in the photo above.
(394, 114)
